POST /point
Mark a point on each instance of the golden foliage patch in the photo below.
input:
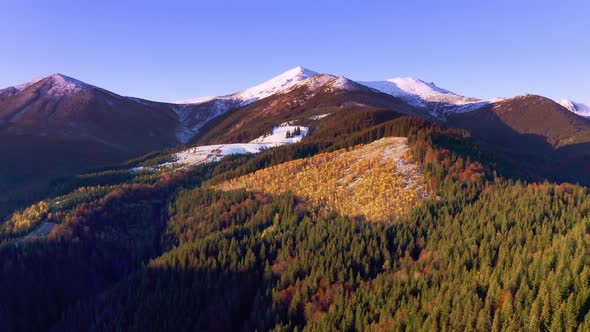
(376, 181)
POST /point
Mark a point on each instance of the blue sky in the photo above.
(171, 50)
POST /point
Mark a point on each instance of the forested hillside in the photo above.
(489, 248)
(377, 181)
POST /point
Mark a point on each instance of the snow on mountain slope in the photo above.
(418, 90)
(343, 83)
(210, 153)
(279, 135)
(426, 95)
(61, 106)
(62, 85)
(275, 85)
(56, 85)
(313, 82)
(582, 109)
(414, 91)
(195, 116)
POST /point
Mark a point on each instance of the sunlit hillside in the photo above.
(377, 181)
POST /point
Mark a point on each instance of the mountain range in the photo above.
(57, 126)
(308, 202)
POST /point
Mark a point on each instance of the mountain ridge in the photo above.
(274, 85)
(419, 93)
(62, 109)
(416, 92)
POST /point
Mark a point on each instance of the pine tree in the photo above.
(484, 322)
(497, 322)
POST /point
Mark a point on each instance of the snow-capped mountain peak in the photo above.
(56, 84)
(418, 91)
(426, 95)
(298, 73)
(273, 86)
(582, 109)
(60, 85)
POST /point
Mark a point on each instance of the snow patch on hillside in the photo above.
(210, 153)
(318, 117)
(279, 135)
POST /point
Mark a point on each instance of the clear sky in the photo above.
(171, 50)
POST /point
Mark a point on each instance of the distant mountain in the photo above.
(582, 109)
(303, 92)
(436, 101)
(61, 106)
(535, 116)
(427, 96)
(536, 132)
(58, 125)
